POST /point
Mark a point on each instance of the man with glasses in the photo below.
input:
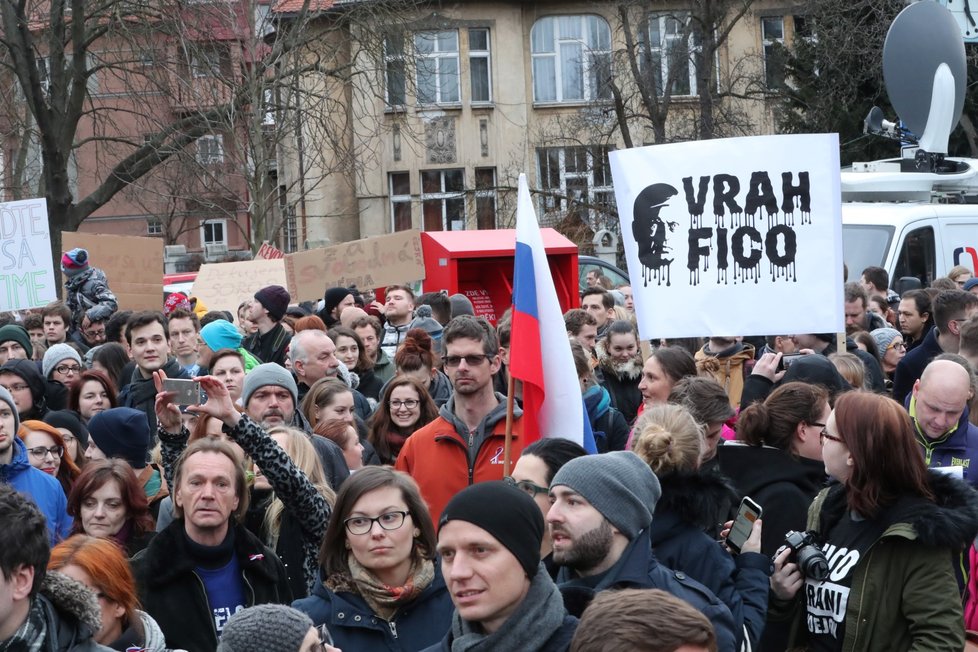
(464, 445)
(938, 407)
(62, 364)
(90, 333)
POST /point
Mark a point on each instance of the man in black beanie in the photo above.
(271, 340)
(489, 539)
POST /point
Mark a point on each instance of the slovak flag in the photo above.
(540, 353)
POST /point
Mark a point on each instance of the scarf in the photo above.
(385, 600)
(30, 636)
(530, 626)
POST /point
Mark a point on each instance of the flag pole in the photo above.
(511, 389)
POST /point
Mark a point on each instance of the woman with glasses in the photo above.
(532, 473)
(93, 393)
(380, 589)
(889, 343)
(891, 531)
(404, 407)
(62, 363)
(46, 452)
(108, 502)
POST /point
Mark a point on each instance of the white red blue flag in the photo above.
(540, 353)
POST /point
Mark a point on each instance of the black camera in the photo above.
(806, 553)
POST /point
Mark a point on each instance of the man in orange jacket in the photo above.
(464, 445)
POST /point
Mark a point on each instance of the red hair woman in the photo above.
(108, 502)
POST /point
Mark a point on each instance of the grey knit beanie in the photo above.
(56, 355)
(269, 374)
(883, 338)
(619, 485)
(265, 628)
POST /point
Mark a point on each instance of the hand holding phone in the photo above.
(748, 512)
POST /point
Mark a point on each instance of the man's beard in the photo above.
(588, 551)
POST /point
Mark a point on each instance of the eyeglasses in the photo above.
(409, 404)
(17, 388)
(472, 360)
(526, 486)
(66, 369)
(896, 345)
(325, 638)
(41, 452)
(363, 524)
(822, 436)
(94, 332)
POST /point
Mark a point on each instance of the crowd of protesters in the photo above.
(337, 481)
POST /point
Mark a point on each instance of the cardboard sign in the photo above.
(27, 278)
(223, 286)
(269, 252)
(368, 263)
(132, 265)
(741, 236)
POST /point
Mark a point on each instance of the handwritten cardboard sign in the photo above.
(27, 277)
(369, 263)
(223, 286)
(132, 265)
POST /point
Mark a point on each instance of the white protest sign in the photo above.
(739, 236)
(27, 277)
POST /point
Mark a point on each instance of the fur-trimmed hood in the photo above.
(72, 599)
(695, 497)
(951, 521)
(631, 370)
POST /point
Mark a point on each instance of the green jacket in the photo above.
(904, 595)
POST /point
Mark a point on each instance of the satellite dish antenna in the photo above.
(925, 72)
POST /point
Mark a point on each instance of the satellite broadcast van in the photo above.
(916, 216)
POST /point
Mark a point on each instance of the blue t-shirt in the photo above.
(225, 592)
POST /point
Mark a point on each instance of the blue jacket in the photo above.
(355, 626)
(43, 488)
(910, 368)
(638, 569)
(960, 448)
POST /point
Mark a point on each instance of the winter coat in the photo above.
(140, 393)
(72, 615)
(955, 449)
(269, 347)
(384, 367)
(911, 366)
(174, 595)
(608, 424)
(638, 568)
(43, 489)
(728, 367)
(903, 594)
(88, 294)
(443, 458)
(683, 514)
(147, 637)
(621, 381)
(783, 485)
(354, 625)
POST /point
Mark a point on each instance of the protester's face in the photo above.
(353, 450)
(341, 408)
(36, 335)
(486, 581)
(71, 443)
(399, 305)
(587, 337)
(183, 337)
(855, 316)
(404, 406)
(347, 301)
(43, 452)
(369, 338)
(582, 537)
(386, 553)
(149, 347)
(595, 307)
(533, 469)
(711, 438)
(19, 390)
(113, 614)
(244, 322)
(92, 399)
(94, 332)
(103, 512)
(54, 329)
(622, 347)
(592, 279)
(911, 321)
(93, 453)
(66, 372)
(11, 350)
(468, 378)
(961, 279)
(256, 311)
(347, 351)
(271, 405)
(626, 291)
(893, 354)
(7, 430)
(206, 492)
(835, 454)
(229, 371)
(939, 404)
(655, 384)
(320, 360)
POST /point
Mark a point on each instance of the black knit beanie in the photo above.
(505, 512)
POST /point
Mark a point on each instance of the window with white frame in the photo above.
(436, 65)
(154, 227)
(480, 65)
(485, 198)
(394, 70)
(400, 197)
(443, 199)
(672, 49)
(772, 38)
(213, 233)
(571, 58)
(210, 149)
(575, 177)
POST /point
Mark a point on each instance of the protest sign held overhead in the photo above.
(27, 277)
(717, 233)
(131, 264)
